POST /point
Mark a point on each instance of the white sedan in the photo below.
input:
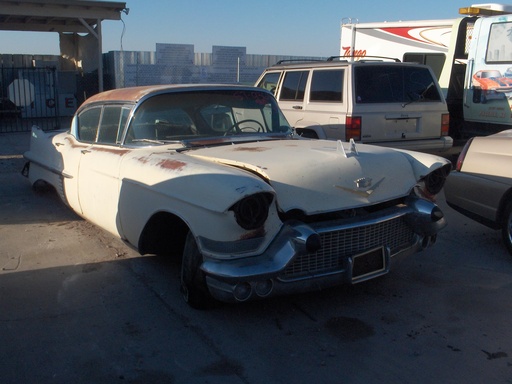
(216, 175)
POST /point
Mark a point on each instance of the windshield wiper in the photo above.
(153, 141)
(420, 96)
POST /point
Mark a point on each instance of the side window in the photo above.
(88, 122)
(269, 81)
(499, 45)
(110, 125)
(294, 85)
(327, 85)
(125, 112)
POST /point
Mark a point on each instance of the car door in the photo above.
(291, 96)
(98, 173)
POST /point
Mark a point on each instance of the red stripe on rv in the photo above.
(402, 32)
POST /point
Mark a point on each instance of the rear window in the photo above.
(394, 84)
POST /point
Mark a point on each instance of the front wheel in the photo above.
(506, 230)
(193, 282)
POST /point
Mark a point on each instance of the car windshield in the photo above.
(197, 115)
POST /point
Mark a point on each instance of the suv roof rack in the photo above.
(362, 59)
(297, 60)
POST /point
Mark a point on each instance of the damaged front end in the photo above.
(322, 251)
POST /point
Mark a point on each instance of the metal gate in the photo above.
(28, 96)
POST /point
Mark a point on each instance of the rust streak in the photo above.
(209, 142)
(260, 232)
(75, 144)
(115, 151)
(143, 160)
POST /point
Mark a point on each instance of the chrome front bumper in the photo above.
(311, 257)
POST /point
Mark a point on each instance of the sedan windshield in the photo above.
(197, 115)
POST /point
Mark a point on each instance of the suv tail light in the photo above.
(445, 124)
(462, 155)
(353, 128)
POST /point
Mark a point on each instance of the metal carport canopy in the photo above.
(63, 16)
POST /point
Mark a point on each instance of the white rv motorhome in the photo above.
(420, 40)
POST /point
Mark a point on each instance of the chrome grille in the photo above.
(339, 244)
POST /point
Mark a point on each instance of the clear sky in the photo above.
(280, 27)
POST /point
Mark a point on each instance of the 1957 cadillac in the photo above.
(216, 175)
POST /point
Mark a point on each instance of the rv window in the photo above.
(433, 60)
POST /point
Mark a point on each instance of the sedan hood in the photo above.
(320, 176)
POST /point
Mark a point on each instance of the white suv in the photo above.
(385, 103)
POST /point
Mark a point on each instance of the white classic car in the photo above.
(216, 175)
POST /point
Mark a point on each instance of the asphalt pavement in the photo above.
(79, 306)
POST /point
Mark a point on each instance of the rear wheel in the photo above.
(193, 281)
(506, 231)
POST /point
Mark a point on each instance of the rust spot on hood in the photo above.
(250, 149)
(175, 165)
(143, 160)
(172, 164)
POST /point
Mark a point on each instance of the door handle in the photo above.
(297, 107)
(84, 151)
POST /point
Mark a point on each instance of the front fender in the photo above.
(423, 164)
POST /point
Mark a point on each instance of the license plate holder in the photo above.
(369, 264)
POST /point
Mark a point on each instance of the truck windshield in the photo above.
(394, 84)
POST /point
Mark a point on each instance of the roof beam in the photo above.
(63, 9)
(57, 15)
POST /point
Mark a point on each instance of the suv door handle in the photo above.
(297, 107)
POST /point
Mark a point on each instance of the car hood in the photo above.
(318, 176)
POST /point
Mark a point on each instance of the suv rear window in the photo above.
(394, 84)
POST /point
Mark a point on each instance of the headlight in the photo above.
(252, 211)
(435, 180)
